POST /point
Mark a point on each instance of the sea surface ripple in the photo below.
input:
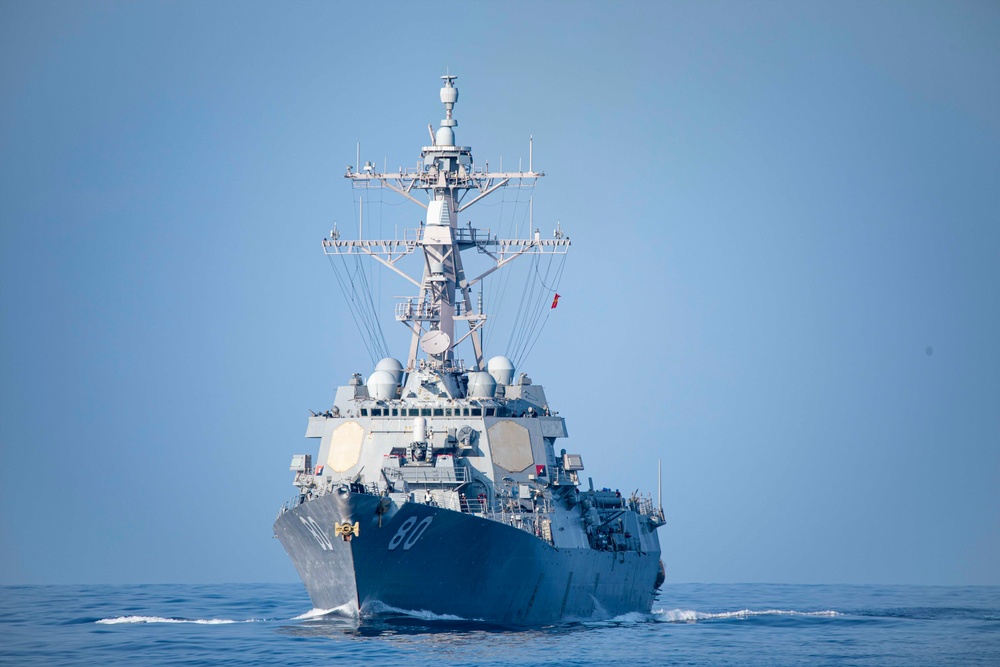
(690, 624)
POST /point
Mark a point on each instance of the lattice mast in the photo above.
(447, 174)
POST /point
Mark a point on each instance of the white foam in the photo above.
(376, 607)
(346, 609)
(690, 616)
(631, 617)
(159, 619)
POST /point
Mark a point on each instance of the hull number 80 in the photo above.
(410, 532)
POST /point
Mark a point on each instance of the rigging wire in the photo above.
(342, 280)
(494, 283)
(364, 311)
(547, 311)
(537, 304)
(356, 287)
(371, 310)
(509, 229)
(524, 305)
(518, 327)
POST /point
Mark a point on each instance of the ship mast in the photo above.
(447, 174)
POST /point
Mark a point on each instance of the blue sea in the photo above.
(691, 624)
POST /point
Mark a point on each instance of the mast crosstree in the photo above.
(447, 174)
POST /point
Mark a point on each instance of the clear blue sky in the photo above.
(785, 278)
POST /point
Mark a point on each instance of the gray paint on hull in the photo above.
(459, 565)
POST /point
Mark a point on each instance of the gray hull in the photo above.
(425, 558)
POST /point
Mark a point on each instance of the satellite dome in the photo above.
(502, 369)
(481, 385)
(392, 366)
(445, 136)
(382, 386)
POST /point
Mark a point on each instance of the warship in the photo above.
(441, 486)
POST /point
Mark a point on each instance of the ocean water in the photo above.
(691, 624)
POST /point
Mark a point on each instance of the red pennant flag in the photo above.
(555, 301)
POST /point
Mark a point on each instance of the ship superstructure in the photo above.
(441, 485)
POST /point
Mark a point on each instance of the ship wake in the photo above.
(124, 620)
(690, 616)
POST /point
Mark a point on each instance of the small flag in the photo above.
(555, 301)
(539, 471)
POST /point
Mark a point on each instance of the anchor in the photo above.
(346, 530)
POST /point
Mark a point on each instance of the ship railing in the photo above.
(531, 518)
(448, 502)
(473, 235)
(414, 309)
(391, 249)
(644, 506)
(501, 506)
(564, 477)
(430, 476)
(312, 484)
(428, 176)
(290, 504)
(454, 365)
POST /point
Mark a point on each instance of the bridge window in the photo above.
(438, 412)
